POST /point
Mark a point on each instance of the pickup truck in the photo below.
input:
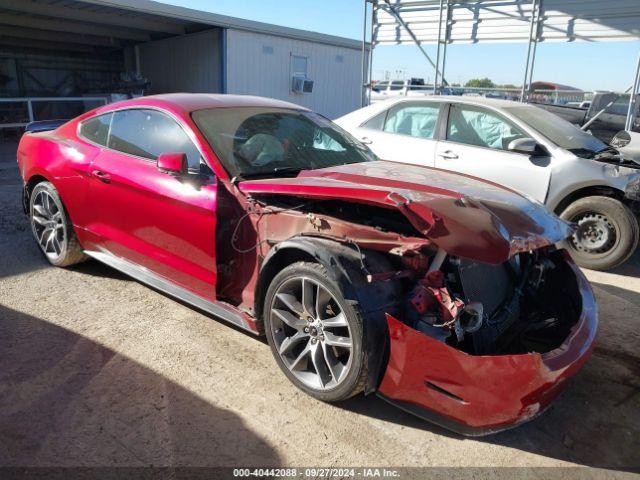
(608, 123)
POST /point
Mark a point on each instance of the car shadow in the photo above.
(66, 400)
(374, 407)
(631, 268)
(623, 293)
(98, 269)
(95, 268)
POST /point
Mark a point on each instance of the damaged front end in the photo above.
(479, 348)
(485, 318)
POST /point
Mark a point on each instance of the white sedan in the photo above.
(523, 147)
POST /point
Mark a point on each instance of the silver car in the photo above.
(533, 151)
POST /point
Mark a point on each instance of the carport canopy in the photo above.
(443, 22)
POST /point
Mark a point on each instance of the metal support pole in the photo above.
(391, 9)
(535, 43)
(30, 109)
(447, 31)
(526, 68)
(533, 62)
(435, 81)
(628, 125)
(374, 13)
(364, 55)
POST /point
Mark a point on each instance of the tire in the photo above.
(339, 384)
(607, 232)
(52, 228)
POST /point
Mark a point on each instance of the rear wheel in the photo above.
(315, 334)
(607, 232)
(52, 228)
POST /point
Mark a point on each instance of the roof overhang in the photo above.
(92, 26)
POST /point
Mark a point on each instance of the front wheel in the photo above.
(606, 235)
(315, 334)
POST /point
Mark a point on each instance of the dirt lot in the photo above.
(98, 370)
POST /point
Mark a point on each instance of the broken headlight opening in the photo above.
(632, 191)
(527, 304)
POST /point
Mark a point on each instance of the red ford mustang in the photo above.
(442, 293)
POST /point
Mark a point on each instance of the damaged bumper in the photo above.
(480, 395)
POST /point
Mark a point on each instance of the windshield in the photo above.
(270, 142)
(558, 130)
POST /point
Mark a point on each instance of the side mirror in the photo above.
(173, 163)
(527, 146)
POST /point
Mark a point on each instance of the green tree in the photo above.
(479, 83)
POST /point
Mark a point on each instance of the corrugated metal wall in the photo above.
(259, 64)
(190, 63)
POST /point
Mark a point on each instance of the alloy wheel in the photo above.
(311, 333)
(47, 223)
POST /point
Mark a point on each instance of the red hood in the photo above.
(463, 215)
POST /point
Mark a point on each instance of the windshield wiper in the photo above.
(287, 170)
(273, 172)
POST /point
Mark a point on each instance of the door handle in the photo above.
(102, 176)
(449, 155)
(366, 140)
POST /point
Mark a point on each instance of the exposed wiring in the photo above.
(234, 235)
(261, 213)
(362, 265)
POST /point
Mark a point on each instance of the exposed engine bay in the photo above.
(527, 304)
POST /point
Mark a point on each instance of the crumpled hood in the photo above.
(465, 216)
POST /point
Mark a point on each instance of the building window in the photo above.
(298, 66)
(339, 59)
(267, 49)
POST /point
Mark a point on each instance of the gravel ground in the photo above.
(99, 370)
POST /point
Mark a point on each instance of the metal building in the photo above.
(61, 57)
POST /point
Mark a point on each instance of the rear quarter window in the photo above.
(377, 122)
(96, 129)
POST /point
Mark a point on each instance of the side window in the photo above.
(148, 133)
(96, 129)
(298, 66)
(476, 126)
(413, 119)
(377, 122)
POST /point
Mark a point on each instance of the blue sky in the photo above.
(590, 66)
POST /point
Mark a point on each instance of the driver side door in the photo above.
(475, 141)
(150, 219)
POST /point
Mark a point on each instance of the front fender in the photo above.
(344, 265)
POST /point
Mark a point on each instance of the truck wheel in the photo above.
(52, 228)
(315, 335)
(607, 232)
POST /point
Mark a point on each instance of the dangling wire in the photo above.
(261, 213)
(362, 265)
